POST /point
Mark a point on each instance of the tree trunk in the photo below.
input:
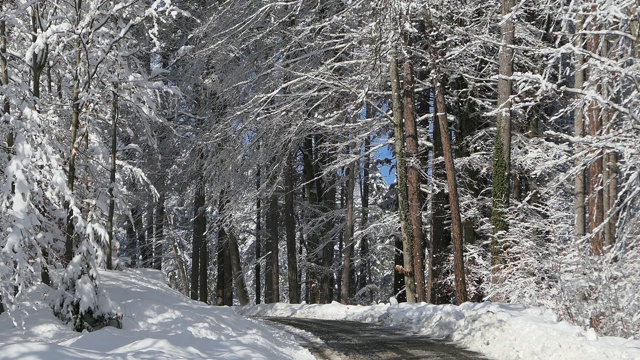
(220, 278)
(578, 123)
(502, 148)
(236, 267)
(272, 279)
(364, 269)
(348, 237)
(258, 236)
(182, 272)
(398, 276)
(328, 205)
(290, 229)
(401, 171)
(198, 245)
(112, 178)
(159, 231)
(413, 177)
(437, 289)
(456, 223)
(147, 248)
(596, 205)
(71, 171)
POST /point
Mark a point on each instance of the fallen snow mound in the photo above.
(499, 331)
(159, 323)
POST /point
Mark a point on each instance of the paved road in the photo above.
(352, 340)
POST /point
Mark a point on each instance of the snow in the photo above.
(159, 323)
(499, 331)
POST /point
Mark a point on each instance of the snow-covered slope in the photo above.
(159, 323)
(500, 331)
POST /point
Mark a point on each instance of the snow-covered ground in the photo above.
(500, 331)
(159, 323)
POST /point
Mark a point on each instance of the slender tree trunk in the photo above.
(71, 171)
(456, 223)
(413, 176)
(182, 272)
(312, 186)
(502, 148)
(401, 171)
(203, 277)
(272, 279)
(578, 123)
(610, 166)
(136, 214)
(290, 229)
(236, 267)
(437, 292)
(147, 250)
(199, 229)
(364, 271)
(348, 236)
(596, 204)
(158, 250)
(112, 178)
(258, 236)
(220, 278)
(6, 107)
(328, 205)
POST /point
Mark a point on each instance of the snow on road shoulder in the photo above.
(499, 331)
(159, 323)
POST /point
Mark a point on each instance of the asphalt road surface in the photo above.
(330, 339)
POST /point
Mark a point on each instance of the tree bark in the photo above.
(596, 204)
(502, 148)
(258, 237)
(290, 229)
(401, 174)
(437, 292)
(348, 237)
(413, 176)
(112, 178)
(199, 261)
(272, 278)
(578, 123)
(236, 267)
(456, 223)
(364, 269)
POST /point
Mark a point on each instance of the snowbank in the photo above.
(159, 323)
(500, 331)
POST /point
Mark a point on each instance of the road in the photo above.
(330, 340)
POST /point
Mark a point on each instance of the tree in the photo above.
(502, 148)
(401, 174)
(456, 222)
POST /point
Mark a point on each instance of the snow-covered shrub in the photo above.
(79, 299)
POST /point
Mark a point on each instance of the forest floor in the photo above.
(160, 323)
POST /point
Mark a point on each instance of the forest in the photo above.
(260, 151)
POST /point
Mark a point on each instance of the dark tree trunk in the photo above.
(364, 269)
(290, 229)
(401, 171)
(158, 249)
(456, 224)
(147, 249)
(272, 279)
(199, 258)
(437, 290)
(349, 241)
(236, 267)
(112, 180)
(258, 236)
